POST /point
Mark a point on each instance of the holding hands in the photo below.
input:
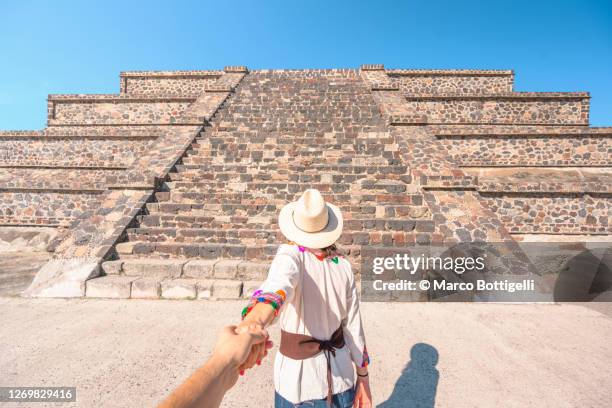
(258, 350)
(237, 348)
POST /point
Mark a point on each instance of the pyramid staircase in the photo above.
(213, 226)
(171, 188)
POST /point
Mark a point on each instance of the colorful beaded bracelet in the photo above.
(366, 358)
(275, 300)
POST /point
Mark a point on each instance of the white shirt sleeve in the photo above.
(283, 275)
(353, 328)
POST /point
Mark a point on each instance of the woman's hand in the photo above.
(363, 396)
(258, 351)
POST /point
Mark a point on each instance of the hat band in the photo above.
(310, 232)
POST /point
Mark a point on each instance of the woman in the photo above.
(311, 290)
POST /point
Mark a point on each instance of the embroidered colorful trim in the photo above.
(366, 358)
(335, 259)
(274, 299)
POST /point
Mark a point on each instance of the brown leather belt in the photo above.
(301, 347)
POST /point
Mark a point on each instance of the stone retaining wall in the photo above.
(529, 150)
(466, 82)
(98, 163)
(186, 83)
(115, 110)
(553, 212)
(38, 151)
(146, 153)
(516, 109)
(29, 179)
(45, 208)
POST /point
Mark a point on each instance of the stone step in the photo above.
(258, 135)
(211, 171)
(279, 199)
(250, 210)
(133, 287)
(182, 268)
(170, 250)
(202, 250)
(365, 185)
(202, 235)
(272, 159)
(245, 139)
(263, 141)
(292, 176)
(238, 222)
(373, 236)
(304, 116)
(178, 226)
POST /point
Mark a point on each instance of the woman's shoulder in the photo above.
(343, 264)
(288, 249)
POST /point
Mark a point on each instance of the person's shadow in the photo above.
(417, 385)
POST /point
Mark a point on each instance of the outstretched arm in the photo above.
(206, 387)
(262, 315)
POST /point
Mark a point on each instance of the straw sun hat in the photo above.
(310, 221)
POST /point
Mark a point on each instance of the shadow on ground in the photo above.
(416, 387)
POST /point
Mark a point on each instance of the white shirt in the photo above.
(320, 296)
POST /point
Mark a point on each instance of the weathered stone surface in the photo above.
(226, 269)
(63, 278)
(125, 248)
(199, 268)
(146, 288)
(253, 270)
(410, 156)
(112, 267)
(154, 268)
(204, 289)
(111, 286)
(178, 288)
(248, 287)
(227, 289)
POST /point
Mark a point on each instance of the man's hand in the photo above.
(258, 351)
(206, 387)
(236, 346)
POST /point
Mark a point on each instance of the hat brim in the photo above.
(320, 239)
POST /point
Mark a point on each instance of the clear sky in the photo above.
(80, 46)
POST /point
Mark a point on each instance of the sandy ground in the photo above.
(132, 353)
(18, 268)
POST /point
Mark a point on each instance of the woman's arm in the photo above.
(261, 315)
(355, 340)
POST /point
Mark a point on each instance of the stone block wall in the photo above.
(405, 154)
(58, 179)
(45, 208)
(464, 82)
(553, 213)
(71, 152)
(115, 110)
(97, 163)
(518, 150)
(184, 83)
(515, 108)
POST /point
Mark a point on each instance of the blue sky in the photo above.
(80, 47)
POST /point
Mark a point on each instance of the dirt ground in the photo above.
(131, 353)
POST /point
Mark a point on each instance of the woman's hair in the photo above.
(331, 250)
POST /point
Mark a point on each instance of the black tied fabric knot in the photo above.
(301, 347)
(329, 347)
